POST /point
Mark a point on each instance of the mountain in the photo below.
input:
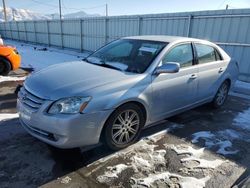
(80, 14)
(21, 14)
(25, 14)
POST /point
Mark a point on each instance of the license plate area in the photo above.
(24, 113)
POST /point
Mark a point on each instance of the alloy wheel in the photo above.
(222, 94)
(125, 127)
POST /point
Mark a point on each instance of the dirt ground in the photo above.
(28, 162)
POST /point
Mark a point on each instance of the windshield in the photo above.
(127, 55)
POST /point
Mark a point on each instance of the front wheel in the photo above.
(221, 95)
(124, 126)
(5, 66)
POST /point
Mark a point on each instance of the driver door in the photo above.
(174, 91)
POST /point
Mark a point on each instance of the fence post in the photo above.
(81, 43)
(25, 31)
(48, 35)
(5, 33)
(34, 22)
(139, 25)
(18, 33)
(10, 23)
(61, 28)
(189, 25)
(106, 30)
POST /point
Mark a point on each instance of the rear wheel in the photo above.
(221, 95)
(5, 66)
(124, 126)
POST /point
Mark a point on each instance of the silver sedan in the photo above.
(123, 87)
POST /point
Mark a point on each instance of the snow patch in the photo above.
(220, 139)
(4, 117)
(169, 178)
(230, 133)
(66, 180)
(112, 172)
(147, 159)
(240, 84)
(181, 149)
(202, 162)
(201, 134)
(150, 166)
(240, 95)
(141, 162)
(195, 155)
(242, 120)
(223, 145)
(11, 78)
(34, 58)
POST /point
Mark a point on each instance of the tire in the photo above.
(221, 95)
(5, 66)
(124, 126)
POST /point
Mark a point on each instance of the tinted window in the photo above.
(182, 54)
(206, 53)
(127, 54)
(122, 50)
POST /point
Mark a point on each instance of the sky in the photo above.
(125, 7)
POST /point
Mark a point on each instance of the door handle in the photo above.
(193, 76)
(221, 70)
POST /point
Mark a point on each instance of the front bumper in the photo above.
(63, 131)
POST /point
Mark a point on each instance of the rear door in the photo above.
(172, 91)
(211, 68)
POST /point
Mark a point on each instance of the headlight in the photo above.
(15, 50)
(70, 105)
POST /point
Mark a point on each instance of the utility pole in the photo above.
(4, 10)
(60, 9)
(13, 14)
(106, 9)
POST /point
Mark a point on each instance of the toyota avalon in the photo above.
(123, 87)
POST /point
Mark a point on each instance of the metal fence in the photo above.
(228, 28)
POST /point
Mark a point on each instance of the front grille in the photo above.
(30, 100)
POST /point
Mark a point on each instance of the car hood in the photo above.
(71, 79)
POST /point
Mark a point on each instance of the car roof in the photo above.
(162, 38)
(176, 40)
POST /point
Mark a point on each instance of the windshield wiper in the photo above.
(86, 59)
(102, 63)
(109, 66)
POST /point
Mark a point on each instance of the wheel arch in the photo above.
(229, 81)
(137, 102)
(226, 77)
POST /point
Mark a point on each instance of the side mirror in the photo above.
(170, 67)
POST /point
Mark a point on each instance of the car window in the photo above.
(182, 54)
(206, 53)
(121, 50)
(218, 55)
